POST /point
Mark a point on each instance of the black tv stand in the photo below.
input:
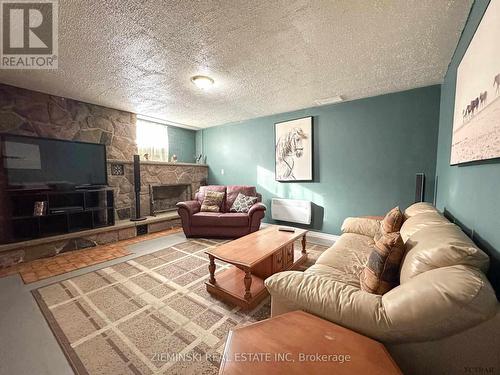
(66, 212)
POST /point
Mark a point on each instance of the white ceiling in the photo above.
(265, 56)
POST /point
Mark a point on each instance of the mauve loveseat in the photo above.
(224, 224)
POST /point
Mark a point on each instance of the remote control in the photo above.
(286, 229)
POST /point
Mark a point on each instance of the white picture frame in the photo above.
(293, 140)
(476, 118)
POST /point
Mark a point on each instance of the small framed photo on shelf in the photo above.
(40, 208)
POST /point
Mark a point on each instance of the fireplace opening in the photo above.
(165, 197)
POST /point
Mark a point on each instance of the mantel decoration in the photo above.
(476, 122)
(294, 150)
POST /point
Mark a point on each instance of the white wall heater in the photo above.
(292, 210)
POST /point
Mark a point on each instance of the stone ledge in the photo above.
(119, 225)
(166, 163)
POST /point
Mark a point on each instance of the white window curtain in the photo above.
(152, 140)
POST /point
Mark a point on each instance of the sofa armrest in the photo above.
(361, 225)
(439, 303)
(256, 214)
(373, 217)
(191, 206)
(332, 300)
(186, 210)
(256, 207)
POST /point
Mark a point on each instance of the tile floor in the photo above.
(40, 269)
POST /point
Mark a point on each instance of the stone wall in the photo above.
(25, 112)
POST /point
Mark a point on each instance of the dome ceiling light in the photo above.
(202, 82)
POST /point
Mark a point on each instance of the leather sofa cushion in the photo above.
(440, 246)
(423, 220)
(349, 249)
(217, 219)
(361, 225)
(345, 260)
(234, 190)
(334, 274)
(419, 208)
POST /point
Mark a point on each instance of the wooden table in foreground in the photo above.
(255, 257)
(301, 343)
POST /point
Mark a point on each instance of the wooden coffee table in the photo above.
(301, 343)
(254, 258)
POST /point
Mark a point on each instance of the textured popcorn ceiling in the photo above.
(265, 56)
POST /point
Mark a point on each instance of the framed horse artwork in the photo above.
(476, 121)
(294, 150)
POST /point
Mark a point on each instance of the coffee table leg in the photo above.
(211, 269)
(248, 284)
(304, 244)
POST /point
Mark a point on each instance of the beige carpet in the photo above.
(148, 315)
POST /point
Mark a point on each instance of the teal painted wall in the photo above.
(182, 142)
(366, 154)
(470, 194)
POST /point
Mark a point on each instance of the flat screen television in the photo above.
(31, 162)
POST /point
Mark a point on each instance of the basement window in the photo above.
(152, 140)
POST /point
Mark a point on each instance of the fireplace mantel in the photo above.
(150, 162)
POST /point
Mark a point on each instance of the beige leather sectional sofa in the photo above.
(442, 318)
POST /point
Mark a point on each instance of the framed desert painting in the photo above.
(476, 120)
(294, 150)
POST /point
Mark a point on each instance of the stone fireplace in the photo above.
(164, 197)
(154, 174)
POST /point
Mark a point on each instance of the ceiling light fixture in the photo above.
(332, 100)
(202, 82)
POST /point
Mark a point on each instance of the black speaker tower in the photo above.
(137, 189)
(420, 187)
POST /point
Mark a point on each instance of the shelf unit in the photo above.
(67, 212)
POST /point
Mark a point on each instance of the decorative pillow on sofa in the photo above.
(212, 202)
(392, 221)
(243, 203)
(382, 269)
